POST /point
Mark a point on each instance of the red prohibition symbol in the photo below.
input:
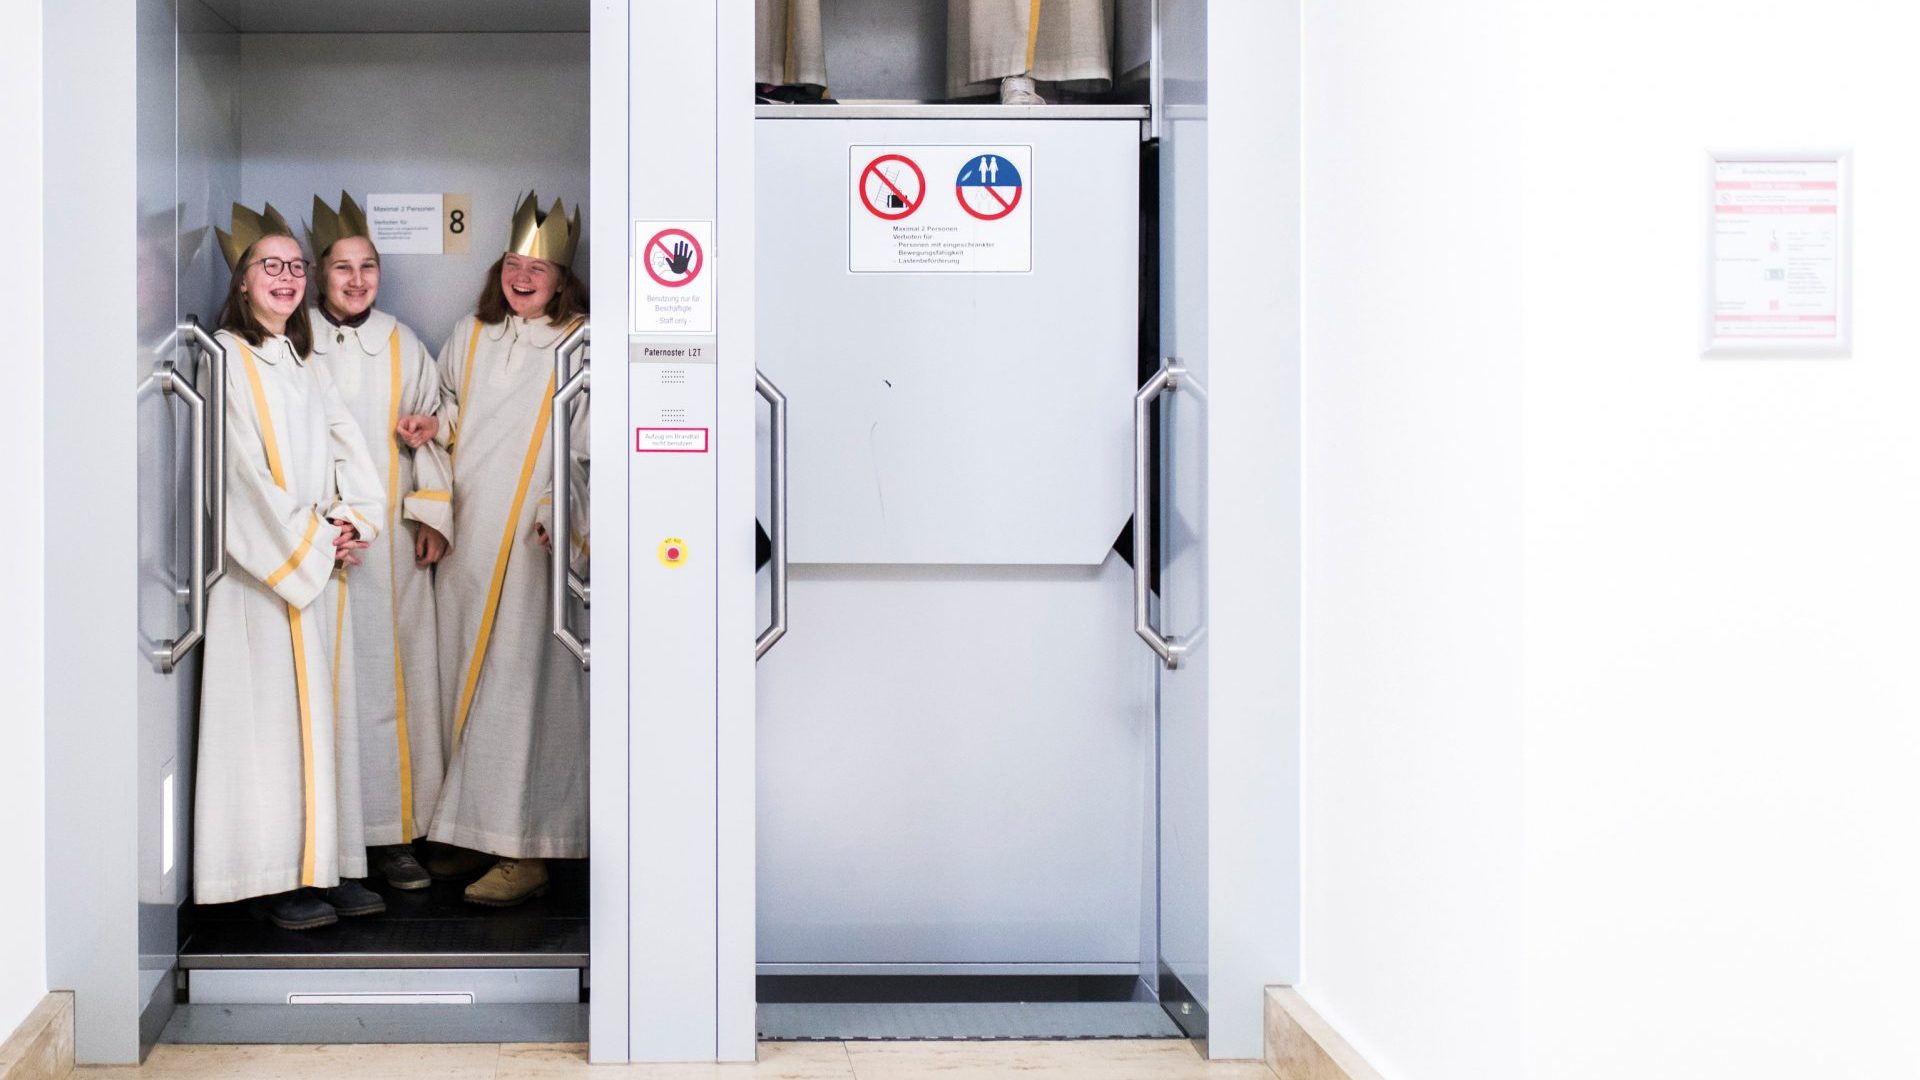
(1002, 206)
(896, 204)
(986, 177)
(683, 261)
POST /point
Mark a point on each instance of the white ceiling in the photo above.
(402, 16)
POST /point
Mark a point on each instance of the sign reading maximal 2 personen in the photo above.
(940, 210)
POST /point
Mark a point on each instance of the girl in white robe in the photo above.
(1015, 43)
(516, 700)
(276, 809)
(386, 376)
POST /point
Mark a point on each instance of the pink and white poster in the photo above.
(1779, 256)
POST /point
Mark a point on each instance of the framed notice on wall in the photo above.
(1780, 254)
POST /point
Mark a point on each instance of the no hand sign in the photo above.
(986, 227)
(674, 258)
(672, 291)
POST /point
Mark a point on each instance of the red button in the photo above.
(674, 554)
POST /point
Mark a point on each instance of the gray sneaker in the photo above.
(351, 898)
(396, 863)
(300, 909)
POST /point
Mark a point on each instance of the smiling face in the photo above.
(274, 297)
(350, 277)
(529, 284)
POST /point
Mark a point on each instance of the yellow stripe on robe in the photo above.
(271, 443)
(393, 590)
(500, 562)
(1033, 33)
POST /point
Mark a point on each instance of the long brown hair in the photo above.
(236, 314)
(569, 297)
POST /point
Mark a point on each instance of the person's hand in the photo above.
(540, 533)
(347, 544)
(428, 546)
(416, 430)
(681, 258)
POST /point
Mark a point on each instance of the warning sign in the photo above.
(674, 258)
(670, 440)
(988, 187)
(892, 187)
(672, 293)
(984, 227)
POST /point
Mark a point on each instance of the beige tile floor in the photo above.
(1117, 1059)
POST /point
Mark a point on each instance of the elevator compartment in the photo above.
(270, 103)
(956, 734)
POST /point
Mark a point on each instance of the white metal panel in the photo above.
(164, 467)
(610, 1017)
(1253, 518)
(954, 418)
(951, 768)
(735, 627)
(1183, 552)
(92, 571)
(673, 644)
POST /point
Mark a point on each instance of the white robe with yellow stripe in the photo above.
(516, 700)
(788, 47)
(276, 799)
(1058, 41)
(383, 372)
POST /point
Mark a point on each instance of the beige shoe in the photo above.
(510, 882)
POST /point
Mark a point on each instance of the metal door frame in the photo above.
(93, 811)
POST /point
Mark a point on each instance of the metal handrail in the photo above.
(197, 338)
(777, 403)
(565, 581)
(167, 655)
(1165, 380)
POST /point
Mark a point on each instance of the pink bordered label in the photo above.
(670, 440)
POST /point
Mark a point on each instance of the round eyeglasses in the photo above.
(275, 267)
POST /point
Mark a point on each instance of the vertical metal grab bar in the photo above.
(565, 581)
(777, 403)
(199, 340)
(168, 654)
(1164, 380)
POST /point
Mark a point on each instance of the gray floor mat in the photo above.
(968, 1020)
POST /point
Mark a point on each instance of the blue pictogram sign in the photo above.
(989, 187)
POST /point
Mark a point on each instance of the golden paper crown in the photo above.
(248, 228)
(329, 228)
(548, 236)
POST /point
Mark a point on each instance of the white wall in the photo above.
(23, 922)
(308, 95)
(1592, 622)
(1723, 721)
(1411, 418)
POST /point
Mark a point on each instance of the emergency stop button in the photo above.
(673, 551)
